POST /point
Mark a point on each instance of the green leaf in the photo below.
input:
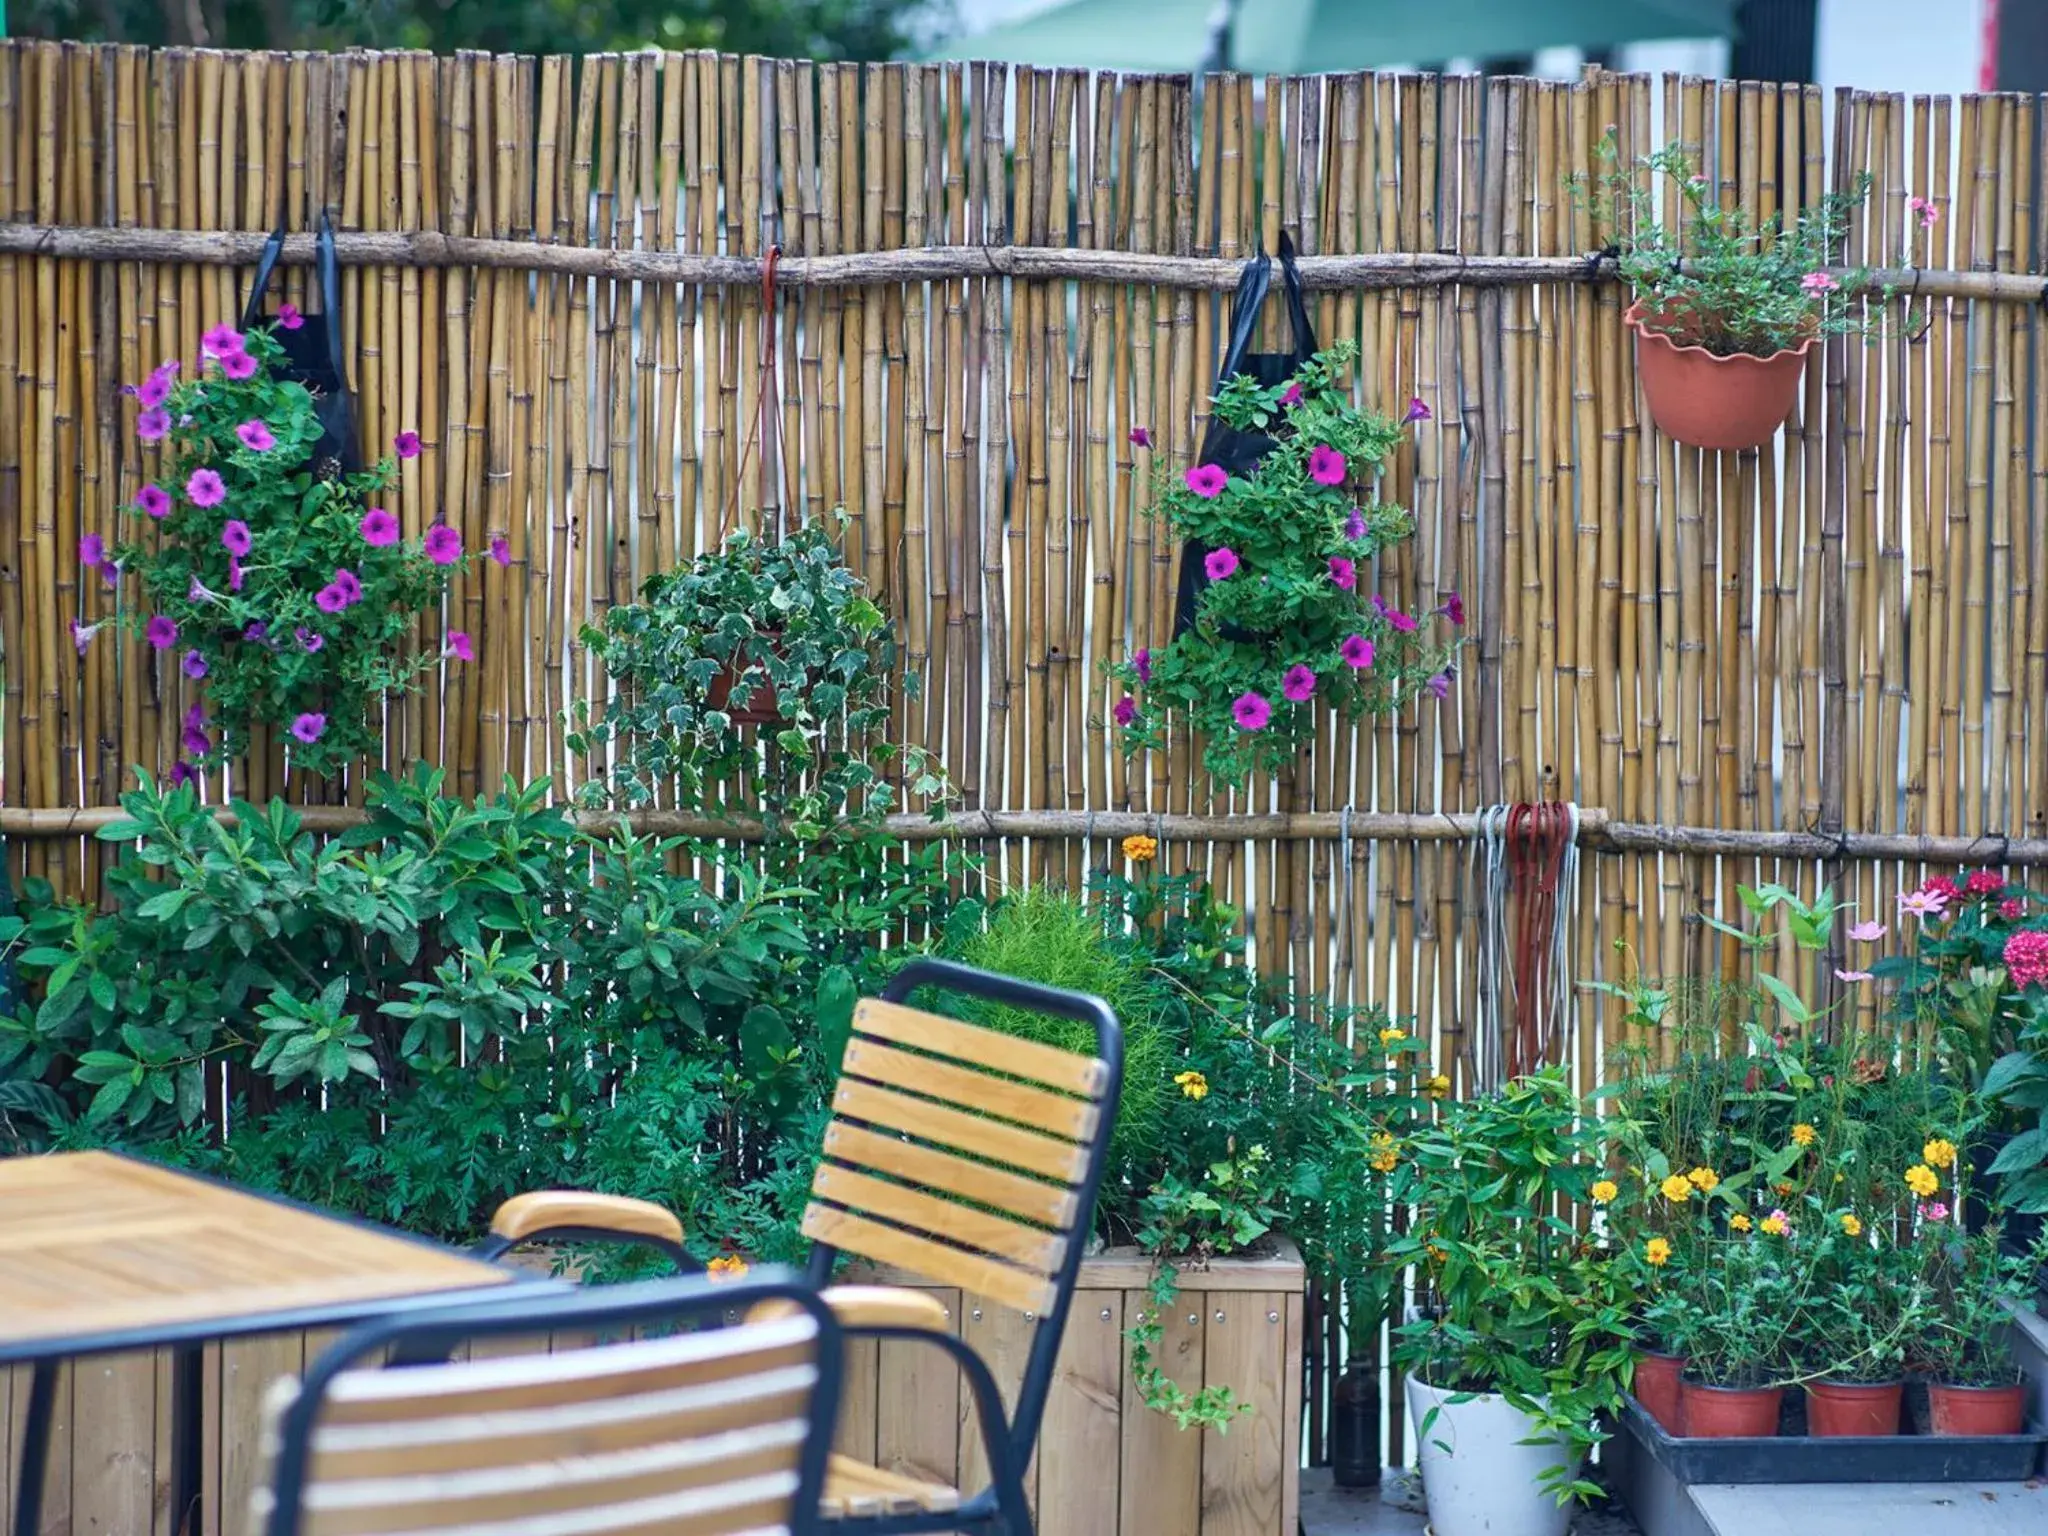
(1786, 998)
(2026, 1150)
(837, 996)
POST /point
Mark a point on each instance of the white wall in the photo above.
(1914, 46)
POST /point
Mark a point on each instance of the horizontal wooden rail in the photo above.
(1597, 830)
(933, 263)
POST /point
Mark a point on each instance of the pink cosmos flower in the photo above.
(1343, 572)
(153, 426)
(2026, 958)
(2013, 908)
(1326, 466)
(193, 666)
(154, 500)
(1935, 1211)
(1818, 283)
(1142, 665)
(407, 445)
(289, 318)
(1924, 210)
(444, 545)
(1453, 608)
(1221, 564)
(235, 537)
(1418, 410)
(205, 489)
(222, 340)
(329, 599)
(1357, 652)
(1292, 395)
(1440, 685)
(1354, 525)
(1852, 976)
(458, 646)
(1207, 481)
(1867, 933)
(92, 551)
(1251, 712)
(1299, 685)
(347, 585)
(1141, 437)
(309, 640)
(378, 528)
(154, 390)
(255, 436)
(309, 726)
(161, 632)
(238, 366)
(501, 550)
(1126, 711)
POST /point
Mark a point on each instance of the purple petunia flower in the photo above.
(1126, 711)
(1417, 410)
(1141, 437)
(407, 444)
(1404, 622)
(1356, 651)
(161, 632)
(1207, 481)
(184, 773)
(200, 592)
(1440, 685)
(154, 500)
(443, 544)
(1343, 572)
(258, 633)
(309, 726)
(458, 646)
(309, 640)
(222, 340)
(1453, 609)
(1299, 685)
(196, 741)
(154, 390)
(289, 318)
(345, 583)
(92, 551)
(193, 666)
(1292, 395)
(1142, 665)
(238, 366)
(235, 574)
(1251, 712)
(195, 717)
(81, 634)
(501, 551)
(255, 436)
(235, 537)
(153, 426)
(205, 489)
(1221, 564)
(378, 528)
(1354, 525)
(329, 599)
(1326, 466)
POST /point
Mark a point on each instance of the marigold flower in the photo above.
(1939, 1153)
(1851, 1226)
(1437, 1087)
(1140, 849)
(1386, 1154)
(1193, 1084)
(1704, 1180)
(1922, 1180)
(1739, 1222)
(1605, 1190)
(727, 1266)
(1803, 1134)
(1658, 1251)
(1677, 1189)
(1775, 1225)
(1389, 1035)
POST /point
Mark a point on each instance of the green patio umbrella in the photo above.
(1318, 36)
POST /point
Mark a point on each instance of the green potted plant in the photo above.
(1742, 1294)
(1521, 1340)
(1726, 308)
(1853, 1338)
(1287, 624)
(1974, 1386)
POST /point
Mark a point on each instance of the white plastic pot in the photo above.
(1478, 1477)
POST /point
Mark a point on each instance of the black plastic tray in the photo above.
(1847, 1459)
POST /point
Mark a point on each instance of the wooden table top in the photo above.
(99, 1251)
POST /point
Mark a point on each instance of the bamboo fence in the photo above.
(1823, 661)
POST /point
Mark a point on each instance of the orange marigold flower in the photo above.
(726, 1266)
(1193, 1084)
(1657, 1251)
(1739, 1222)
(1803, 1134)
(1140, 849)
(1605, 1191)
(1677, 1189)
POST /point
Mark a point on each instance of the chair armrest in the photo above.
(579, 1216)
(873, 1306)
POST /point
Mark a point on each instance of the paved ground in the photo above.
(1395, 1509)
(1856, 1509)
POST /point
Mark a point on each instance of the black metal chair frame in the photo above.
(430, 1337)
(1008, 1440)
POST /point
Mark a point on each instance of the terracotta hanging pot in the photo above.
(1977, 1410)
(761, 707)
(1727, 1413)
(1708, 401)
(1656, 1388)
(1836, 1408)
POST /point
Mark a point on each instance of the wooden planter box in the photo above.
(1106, 1466)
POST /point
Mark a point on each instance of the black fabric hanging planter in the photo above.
(313, 354)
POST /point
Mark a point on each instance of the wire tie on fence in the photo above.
(2042, 297)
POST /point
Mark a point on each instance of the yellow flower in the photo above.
(1193, 1084)
(1774, 1225)
(1739, 1222)
(726, 1265)
(1803, 1134)
(1851, 1225)
(1704, 1180)
(1939, 1153)
(1677, 1189)
(1385, 1162)
(1436, 1253)
(1140, 849)
(1389, 1035)
(1605, 1191)
(1922, 1180)
(1657, 1251)
(1436, 1087)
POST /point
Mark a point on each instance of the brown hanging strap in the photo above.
(768, 391)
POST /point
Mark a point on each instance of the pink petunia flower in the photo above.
(205, 488)
(154, 500)
(329, 599)
(1357, 652)
(1221, 564)
(235, 537)
(407, 445)
(256, 436)
(81, 634)
(309, 640)
(1418, 410)
(1207, 481)
(153, 426)
(309, 727)
(1141, 437)
(1251, 711)
(161, 632)
(1343, 572)
(289, 318)
(236, 574)
(1453, 608)
(378, 528)
(1299, 685)
(154, 390)
(458, 646)
(1292, 396)
(1125, 712)
(347, 584)
(195, 740)
(238, 366)
(193, 666)
(443, 545)
(1326, 466)
(1404, 622)
(1867, 933)
(1142, 665)
(1818, 283)
(501, 550)
(92, 551)
(221, 340)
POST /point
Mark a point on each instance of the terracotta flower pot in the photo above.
(1977, 1410)
(1728, 1413)
(1853, 1408)
(1714, 402)
(762, 707)
(1656, 1388)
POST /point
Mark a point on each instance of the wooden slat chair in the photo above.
(969, 1158)
(722, 1432)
